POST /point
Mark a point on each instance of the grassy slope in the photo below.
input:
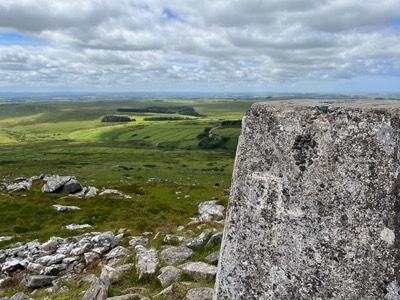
(150, 160)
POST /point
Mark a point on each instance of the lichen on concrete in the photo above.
(314, 208)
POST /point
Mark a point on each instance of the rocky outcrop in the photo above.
(59, 184)
(47, 266)
(314, 206)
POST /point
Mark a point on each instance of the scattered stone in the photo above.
(4, 281)
(201, 293)
(5, 238)
(180, 228)
(212, 258)
(199, 270)
(97, 291)
(19, 186)
(175, 255)
(114, 192)
(14, 264)
(214, 240)
(52, 244)
(176, 289)
(104, 242)
(61, 184)
(171, 238)
(91, 191)
(37, 281)
(138, 240)
(200, 240)
(20, 296)
(118, 252)
(61, 208)
(146, 262)
(169, 275)
(128, 297)
(48, 260)
(209, 211)
(91, 257)
(78, 227)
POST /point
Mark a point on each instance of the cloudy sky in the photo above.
(343, 46)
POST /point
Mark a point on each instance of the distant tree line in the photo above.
(181, 110)
(165, 119)
(231, 123)
(116, 119)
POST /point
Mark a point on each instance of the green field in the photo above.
(153, 161)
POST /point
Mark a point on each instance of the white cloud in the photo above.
(126, 43)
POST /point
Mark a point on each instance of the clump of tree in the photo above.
(181, 110)
(231, 123)
(208, 140)
(165, 119)
(116, 119)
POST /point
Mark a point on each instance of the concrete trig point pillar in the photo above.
(314, 211)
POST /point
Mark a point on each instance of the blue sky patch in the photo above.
(169, 14)
(395, 23)
(15, 38)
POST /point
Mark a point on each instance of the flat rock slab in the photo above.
(175, 255)
(314, 206)
(199, 270)
(37, 281)
(201, 293)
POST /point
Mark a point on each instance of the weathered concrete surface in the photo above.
(314, 211)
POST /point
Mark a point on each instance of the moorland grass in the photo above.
(156, 162)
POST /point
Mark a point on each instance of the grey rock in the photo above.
(97, 291)
(62, 184)
(61, 208)
(4, 281)
(34, 268)
(114, 192)
(78, 226)
(13, 264)
(199, 270)
(104, 242)
(212, 257)
(138, 240)
(20, 296)
(91, 191)
(175, 255)
(127, 297)
(118, 252)
(37, 281)
(200, 240)
(82, 247)
(52, 244)
(91, 257)
(147, 262)
(314, 205)
(201, 293)
(24, 185)
(5, 238)
(178, 290)
(48, 260)
(214, 240)
(169, 275)
(53, 269)
(210, 211)
(172, 238)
